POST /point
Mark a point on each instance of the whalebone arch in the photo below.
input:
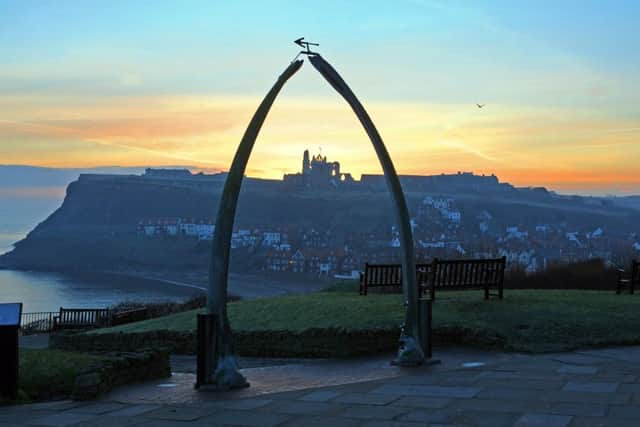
(226, 367)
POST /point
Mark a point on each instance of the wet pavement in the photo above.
(469, 388)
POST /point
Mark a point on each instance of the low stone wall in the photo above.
(319, 343)
(308, 343)
(119, 369)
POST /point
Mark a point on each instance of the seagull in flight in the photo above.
(480, 105)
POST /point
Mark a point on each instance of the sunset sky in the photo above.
(135, 83)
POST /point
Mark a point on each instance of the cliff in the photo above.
(96, 226)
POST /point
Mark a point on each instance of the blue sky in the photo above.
(572, 64)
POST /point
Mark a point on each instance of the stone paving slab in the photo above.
(566, 390)
(569, 408)
(485, 419)
(365, 399)
(320, 396)
(178, 413)
(303, 408)
(439, 416)
(602, 422)
(422, 402)
(426, 390)
(630, 388)
(98, 408)
(133, 410)
(586, 397)
(372, 412)
(241, 404)
(111, 421)
(246, 418)
(577, 369)
(320, 421)
(625, 411)
(543, 420)
(591, 387)
(388, 423)
(61, 419)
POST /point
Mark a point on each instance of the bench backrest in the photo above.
(466, 273)
(391, 274)
(83, 316)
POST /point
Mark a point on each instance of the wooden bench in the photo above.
(388, 277)
(632, 281)
(461, 274)
(80, 318)
(439, 274)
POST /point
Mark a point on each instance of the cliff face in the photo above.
(95, 228)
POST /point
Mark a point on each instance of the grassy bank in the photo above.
(46, 374)
(526, 320)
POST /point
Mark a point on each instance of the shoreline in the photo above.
(148, 277)
(240, 286)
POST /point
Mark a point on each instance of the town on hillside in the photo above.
(443, 225)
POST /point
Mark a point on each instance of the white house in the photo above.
(595, 233)
(205, 231)
(441, 203)
(270, 238)
(171, 228)
(453, 216)
(515, 233)
(149, 229)
(573, 237)
(431, 244)
(283, 247)
(324, 268)
(543, 228)
(189, 228)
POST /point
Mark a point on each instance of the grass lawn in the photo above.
(526, 320)
(48, 374)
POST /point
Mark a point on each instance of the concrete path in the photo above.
(585, 388)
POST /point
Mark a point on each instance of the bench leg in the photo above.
(631, 288)
(618, 286)
(486, 293)
(500, 292)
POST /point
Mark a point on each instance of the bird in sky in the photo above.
(480, 105)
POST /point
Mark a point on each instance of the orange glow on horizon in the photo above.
(566, 150)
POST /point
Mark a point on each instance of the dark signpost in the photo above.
(9, 325)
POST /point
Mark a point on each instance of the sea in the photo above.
(48, 291)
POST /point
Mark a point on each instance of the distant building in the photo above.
(167, 173)
(270, 238)
(317, 173)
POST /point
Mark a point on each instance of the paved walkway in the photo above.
(586, 388)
